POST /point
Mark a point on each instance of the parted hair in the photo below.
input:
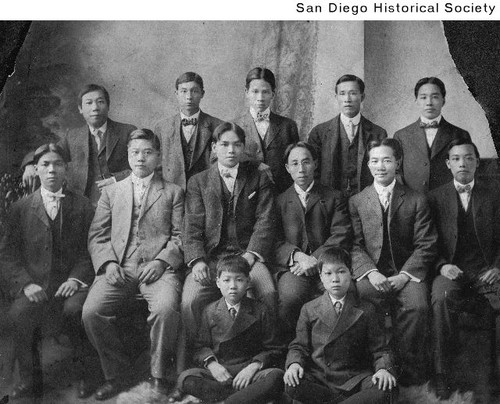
(302, 144)
(261, 73)
(462, 141)
(144, 134)
(389, 142)
(88, 88)
(48, 148)
(334, 255)
(187, 78)
(233, 263)
(228, 127)
(351, 77)
(430, 80)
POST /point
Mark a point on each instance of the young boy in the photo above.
(44, 258)
(135, 245)
(338, 344)
(235, 344)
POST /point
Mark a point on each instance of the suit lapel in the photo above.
(373, 203)
(111, 138)
(203, 136)
(154, 193)
(240, 182)
(417, 138)
(274, 129)
(39, 208)
(244, 319)
(443, 138)
(314, 198)
(349, 315)
(397, 200)
(123, 206)
(214, 192)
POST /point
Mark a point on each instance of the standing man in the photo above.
(186, 136)
(97, 151)
(425, 142)
(394, 248)
(46, 264)
(135, 245)
(467, 215)
(341, 142)
(311, 218)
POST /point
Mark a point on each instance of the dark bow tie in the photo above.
(463, 188)
(262, 116)
(433, 125)
(189, 121)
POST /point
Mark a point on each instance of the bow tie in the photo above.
(262, 116)
(54, 196)
(463, 188)
(227, 173)
(433, 125)
(189, 121)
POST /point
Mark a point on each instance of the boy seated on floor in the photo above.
(235, 345)
(338, 344)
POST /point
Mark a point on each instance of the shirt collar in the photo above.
(233, 170)
(192, 116)
(253, 112)
(458, 184)
(426, 120)
(46, 193)
(103, 129)
(355, 120)
(300, 191)
(141, 181)
(381, 190)
(236, 306)
(342, 301)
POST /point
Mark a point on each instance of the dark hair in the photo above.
(261, 73)
(233, 263)
(88, 88)
(187, 78)
(228, 127)
(389, 142)
(351, 77)
(302, 144)
(332, 255)
(145, 134)
(430, 80)
(462, 141)
(48, 148)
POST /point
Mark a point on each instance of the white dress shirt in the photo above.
(262, 125)
(141, 186)
(98, 138)
(51, 201)
(351, 125)
(233, 172)
(303, 195)
(464, 196)
(430, 133)
(189, 130)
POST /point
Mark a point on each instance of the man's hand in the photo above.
(451, 271)
(245, 376)
(384, 380)
(491, 276)
(267, 170)
(219, 372)
(152, 271)
(293, 374)
(115, 275)
(250, 258)
(304, 264)
(35, 293)
(30, 177)
(201, 273)
(379, 281)
(67, 289)
(399, 281)
(105, 182)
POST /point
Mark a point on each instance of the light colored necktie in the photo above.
(53, 204)
(350, 129)
(386, 199)
(228, 179)
(98, 139)
(464, 191)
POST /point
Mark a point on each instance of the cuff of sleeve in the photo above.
(366, 274)
(206, 361)
(259, 257)
(82, 284)
(193, 262)
(412, 278)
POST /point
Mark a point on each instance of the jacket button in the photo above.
(426, 164)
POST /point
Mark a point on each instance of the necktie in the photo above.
(463, 188)
(189, 121)
(304, 198)
(430, 125)
(464, 192)
(232, 313)
(228, 179)
(98, 139)
(386, 199)
(350, 129)
(262, 116)
(338, 308)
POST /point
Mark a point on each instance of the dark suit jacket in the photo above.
(160, 223)
(250, 337)
(282, 132)
(76, 145)
(339, 351)
(26, 245)
(418, 171)
(253, 206)
(485, 205)
(324, 223)
(169, 132)
(412, 236)
(325, 139)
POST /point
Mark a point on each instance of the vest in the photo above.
(188, 149)
(385, 263)
(98, 169)
(228, 239)
(349, 158)
(132, 252)
(468, 256)
(57, 266)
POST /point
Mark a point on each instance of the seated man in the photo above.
(229, 211)
(135, 245)
(46, 264)
(235, 345)
(311, 218)
(394, 248)
(339, 352)
(467, 216)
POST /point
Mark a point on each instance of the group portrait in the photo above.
(250, 212)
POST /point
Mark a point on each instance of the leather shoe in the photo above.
(84, 389)
(21, 390)
(109, 389)
(443, 390)
(159, 385)
(175, 396)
